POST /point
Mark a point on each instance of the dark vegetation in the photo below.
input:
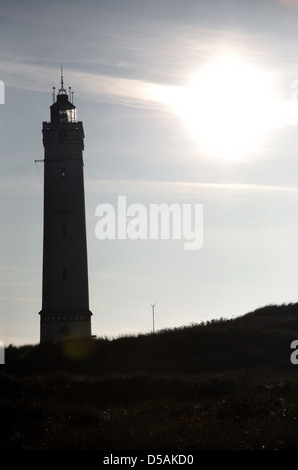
(223, 384)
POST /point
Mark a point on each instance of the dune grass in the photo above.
(225, 384)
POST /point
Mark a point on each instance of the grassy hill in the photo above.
(223, 384)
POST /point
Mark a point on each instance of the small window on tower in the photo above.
(64, 274)
(63, 172)
(62, 135)
(64, 231)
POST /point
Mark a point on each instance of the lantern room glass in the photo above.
(67, 115)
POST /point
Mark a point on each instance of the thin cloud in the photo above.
(129, 92)
(191, 188)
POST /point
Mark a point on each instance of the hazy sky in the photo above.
(187, 102)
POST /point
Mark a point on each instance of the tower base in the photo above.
(61, 324)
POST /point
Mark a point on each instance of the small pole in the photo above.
(153, 305)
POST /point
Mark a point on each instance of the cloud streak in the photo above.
(166, 187)
(155, 70)
(124, 91)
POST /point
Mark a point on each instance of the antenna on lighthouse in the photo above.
(62, 90)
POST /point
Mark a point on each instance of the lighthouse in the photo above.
(65, 297)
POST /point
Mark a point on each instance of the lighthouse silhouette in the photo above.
(65, 297)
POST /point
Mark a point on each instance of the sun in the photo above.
(228, 106)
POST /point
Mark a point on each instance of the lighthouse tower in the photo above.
(65, 299)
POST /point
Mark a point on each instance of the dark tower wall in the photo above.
(65, 298)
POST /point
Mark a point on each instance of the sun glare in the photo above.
(228, 107)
